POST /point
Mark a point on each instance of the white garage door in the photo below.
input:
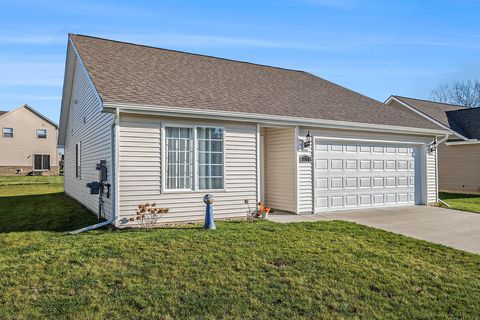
(356, 175)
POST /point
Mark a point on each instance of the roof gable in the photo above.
(35, 112)
(140, 75)
(462, 120)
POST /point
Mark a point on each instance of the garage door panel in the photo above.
(349, 175)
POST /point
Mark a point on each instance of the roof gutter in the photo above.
(263, 118)
(456, 143)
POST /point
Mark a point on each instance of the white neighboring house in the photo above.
(173, 126)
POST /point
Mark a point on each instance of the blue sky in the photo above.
(377, 48)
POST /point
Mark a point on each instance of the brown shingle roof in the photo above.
(129, 73)
(435, 110)
(465, 121)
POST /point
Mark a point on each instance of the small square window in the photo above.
(8, 132)
(42, 133)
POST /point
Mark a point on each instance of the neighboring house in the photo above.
(28, 143)
(173, 126)
(459, 156)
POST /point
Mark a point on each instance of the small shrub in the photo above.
(148, 215)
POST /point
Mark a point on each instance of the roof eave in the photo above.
(68, 87)
(263, 118)
(412, 108)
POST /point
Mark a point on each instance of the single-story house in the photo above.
(173, 126)
(28, 144)
(459, 155)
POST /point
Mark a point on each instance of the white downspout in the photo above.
(115, 128)
(437, 143)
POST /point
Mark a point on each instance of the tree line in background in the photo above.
(461, 92)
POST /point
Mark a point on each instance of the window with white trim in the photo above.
(41, 133)
(179, 158)
(41, 162)
(8, 132)
(210, 158)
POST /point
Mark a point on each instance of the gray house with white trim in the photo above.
(173, 126)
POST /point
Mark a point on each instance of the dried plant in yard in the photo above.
(148, 215)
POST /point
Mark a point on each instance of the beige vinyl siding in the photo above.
(140, 171)
(18, 151)
(431, 177)
(91, 128)
(459, 168)
(305, 185)
(280, 178)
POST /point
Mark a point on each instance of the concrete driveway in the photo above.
(456, 229)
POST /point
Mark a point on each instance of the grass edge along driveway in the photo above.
(464, 202)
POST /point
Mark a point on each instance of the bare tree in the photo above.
(464, 93)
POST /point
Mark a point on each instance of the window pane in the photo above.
(202, 183)
(172, 132)
(37, 162)
(171, 183)
(203, 157)
(216, 158)
(216, 183)
(210, 158)
(185, 132)
(178, 158)
(203, 170)
(217, 171)
(41, 133)
(217, 133)
(46, 162)
(204, 145)
(216, 145)
(201, 133)
(8, 132)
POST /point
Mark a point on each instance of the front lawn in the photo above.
(38, 203)
(242, 270)
(28, 180)
(465, 202)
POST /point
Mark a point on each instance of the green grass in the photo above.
(242, 270)
(465, 202)
(28, 180)
(41, 205)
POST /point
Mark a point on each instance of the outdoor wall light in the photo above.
(432, 147)
(307, 144)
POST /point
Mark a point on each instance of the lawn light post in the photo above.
(209, 223)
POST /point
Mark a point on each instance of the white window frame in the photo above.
(41, 154)
(164, 158)
(195, 180)
(3, 132)
(46, 134)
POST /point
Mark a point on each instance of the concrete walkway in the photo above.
(456, 229)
